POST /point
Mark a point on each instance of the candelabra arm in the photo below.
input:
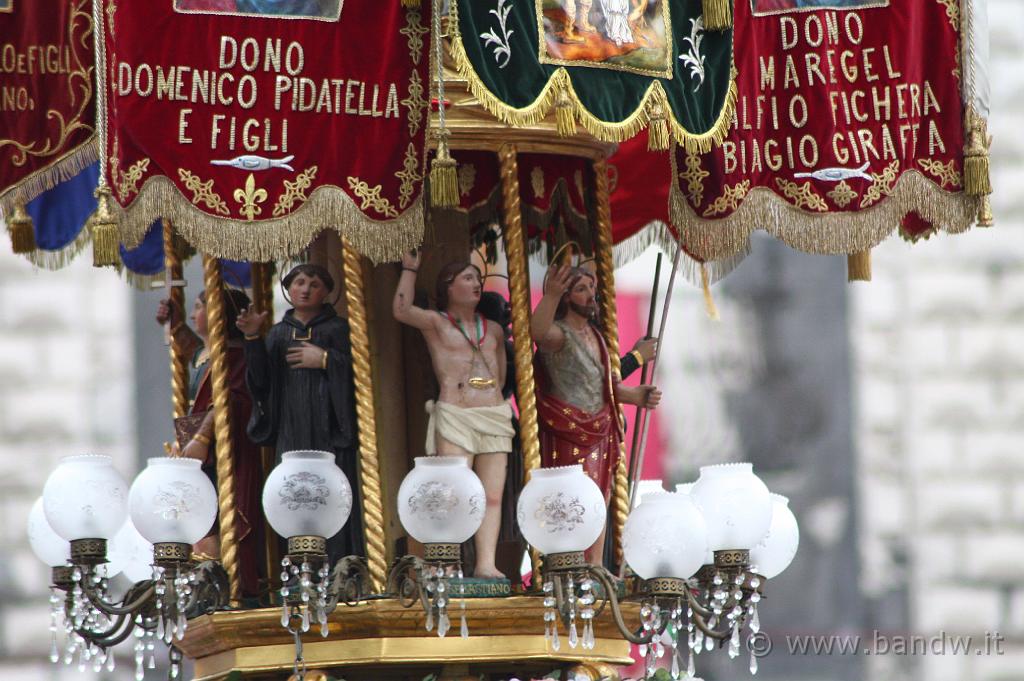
(406, 589)
(602, 576)
(145, 589)
(695, 605)
(700, 618)
(112, 636)
(350, 576)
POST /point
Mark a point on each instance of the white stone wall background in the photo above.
(938, 339)
(66, 379)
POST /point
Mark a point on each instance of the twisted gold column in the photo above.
(179, 362)
(369, 466)
(606, 283)
(216, 322)
(519, 294)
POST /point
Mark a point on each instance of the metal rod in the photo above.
(640, 413)
(654, 366)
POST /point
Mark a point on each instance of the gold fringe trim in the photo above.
(328, 207)
(827, 233)
(565, 120)
(717, 14)
(559, 84)
(140, 282)
(658, 234)
(858, 266)
(21, 230)
(410, 4)
(444, 178)
(45, 179)
(55, 260)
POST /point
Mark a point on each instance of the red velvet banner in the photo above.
(46, 95)
(254, 125)
(848, 120)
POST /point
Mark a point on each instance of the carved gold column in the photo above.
(218, 348)
(179, 362)
(369, 466)
(606, 289)
(519, 294)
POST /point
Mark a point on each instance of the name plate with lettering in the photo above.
(850, 123)
(254, 125)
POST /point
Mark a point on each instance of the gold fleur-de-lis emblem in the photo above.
(250, 198)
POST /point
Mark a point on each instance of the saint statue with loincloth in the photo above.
(470, 417)
(578, 396)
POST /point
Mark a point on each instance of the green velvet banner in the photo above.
(597, 53)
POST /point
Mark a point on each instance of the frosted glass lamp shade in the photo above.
(778, 548)
(131, 553)
(736, 505)
(685, 489)
(46, 544)
(561, 510)
(85, 498)
(172, 500)
(307, 495)
(645, 487)
(441, 500)
(665, 536)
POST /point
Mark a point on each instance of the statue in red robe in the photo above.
(578, 397)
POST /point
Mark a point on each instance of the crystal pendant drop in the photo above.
(463, 626)
(755, 620)
(574, 638)
(691, 665)
(111, 665)
(430, 619)
(753, 662)
(734, 643)
(556, 644)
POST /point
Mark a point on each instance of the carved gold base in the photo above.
(732, 559)
(171, 554)
(666, 586)
(380, 639)
(89, 551)
(560, 562)
(442, 553)
(61, 577)
(307, 546)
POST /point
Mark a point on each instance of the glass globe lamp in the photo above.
(46, 544)
(441, 504)
(737, 508)
(84, 502)
(130, 553)
(685, 489)
(307, 499)
(173, 505)
(645, 487)
(665, 540)
(561, 513)
(778, 548)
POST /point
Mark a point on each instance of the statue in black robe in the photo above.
(308, 408)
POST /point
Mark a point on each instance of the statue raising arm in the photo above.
(545, 333)
(402, 306)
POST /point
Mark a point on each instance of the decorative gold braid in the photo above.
(606, 282)
(519, 294)
(179, 362)
(369, 466)
(216, 320)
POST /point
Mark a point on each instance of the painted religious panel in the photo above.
(283, 9)
(6, 5)
(765, 7)
(627, 35)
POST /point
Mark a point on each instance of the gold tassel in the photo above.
(103, 225)
(657, 131)
(709, 301)
(565, 118)
(444, 178)
(858, 266)
(976, 165)
(717, 14)
(410, 4)
(22, 231)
